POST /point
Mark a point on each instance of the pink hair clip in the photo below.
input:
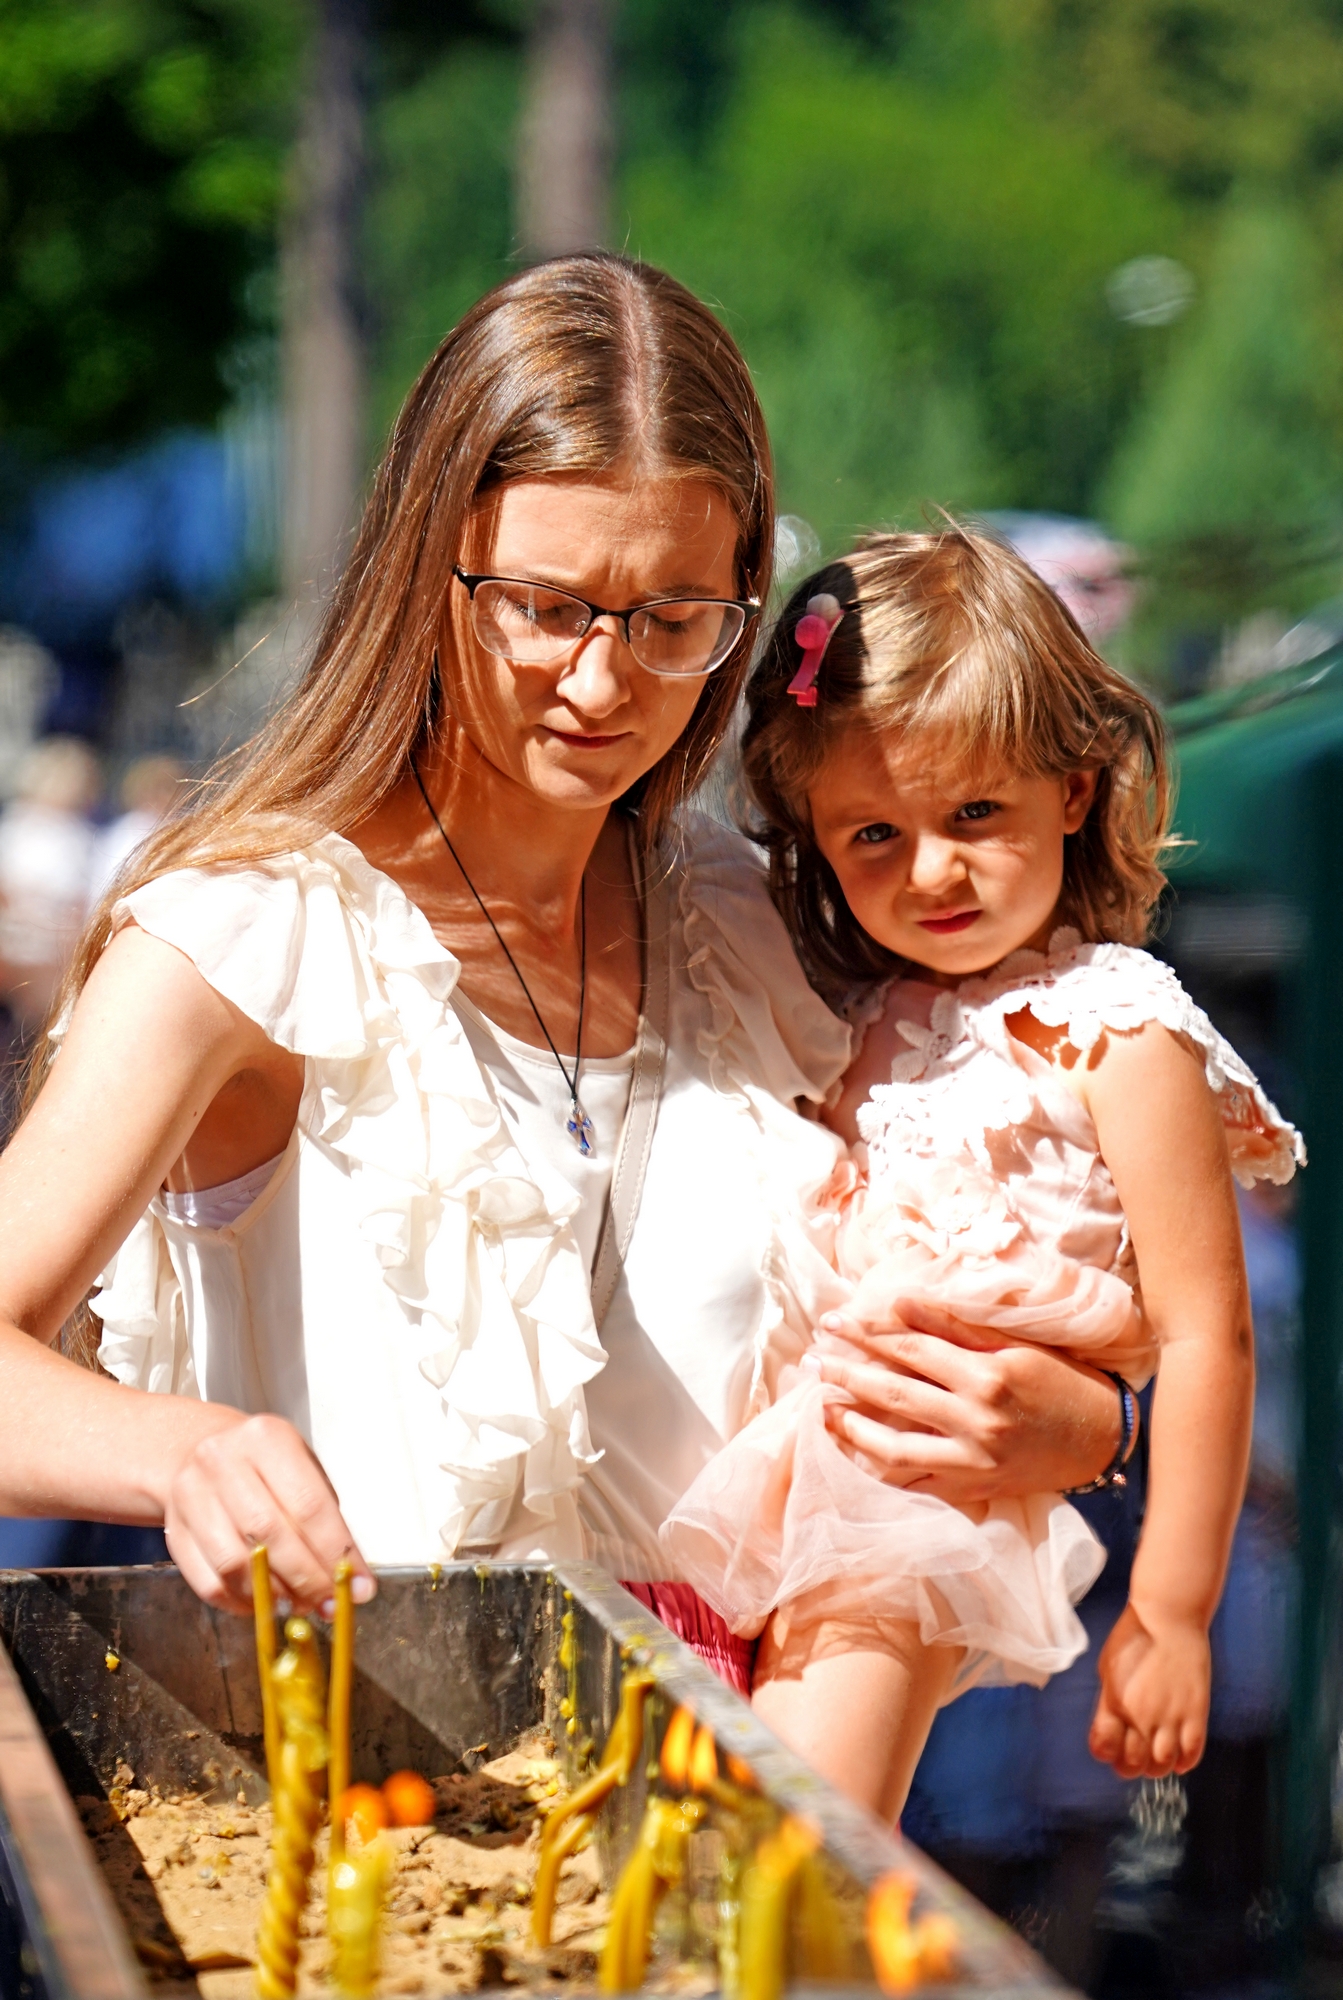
(813, 633)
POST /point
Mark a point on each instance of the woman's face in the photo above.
(578, 732)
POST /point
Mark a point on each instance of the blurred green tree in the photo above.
(1231, 477)
(908, 211)
(1207, 93)
(141, 160)
(915, 266)
(440, 216)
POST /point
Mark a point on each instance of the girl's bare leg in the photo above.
(855, 1702)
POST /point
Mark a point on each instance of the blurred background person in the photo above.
(1085, 567)
(47, 845)
(148, 791)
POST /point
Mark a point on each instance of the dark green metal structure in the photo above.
(1261, 802)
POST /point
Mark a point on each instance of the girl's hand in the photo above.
(1152, 1715)
(959, 1413)
(253, 1481)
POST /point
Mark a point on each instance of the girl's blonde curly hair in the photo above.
(951, 639)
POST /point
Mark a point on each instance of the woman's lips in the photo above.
(945, 926)
(577, 742)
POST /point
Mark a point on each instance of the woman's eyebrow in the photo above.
(663, 594)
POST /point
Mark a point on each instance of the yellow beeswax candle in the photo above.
(263, 1615)
(356, 1891)
(338, 1703)
(572, 1818)
(657, 1864)
(296, 1804)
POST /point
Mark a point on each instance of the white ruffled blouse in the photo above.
(411, 1294)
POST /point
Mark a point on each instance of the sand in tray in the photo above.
(188, 1878)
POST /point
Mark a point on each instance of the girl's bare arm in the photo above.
(1162, 1137)
(150, 1050)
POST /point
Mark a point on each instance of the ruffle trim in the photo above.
(1085, 989)
(768, 1041)
(144, 1341)
(335, 963)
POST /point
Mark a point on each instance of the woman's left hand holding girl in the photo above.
(960, 1413)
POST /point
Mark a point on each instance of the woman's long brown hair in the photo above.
(584, 364)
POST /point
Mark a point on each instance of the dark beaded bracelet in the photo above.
(1113, 1474)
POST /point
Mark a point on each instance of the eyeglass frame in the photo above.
(748, 606)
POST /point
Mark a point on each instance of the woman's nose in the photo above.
(595, 677)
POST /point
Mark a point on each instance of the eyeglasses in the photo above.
(533, 625)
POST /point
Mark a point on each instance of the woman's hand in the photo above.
(958, 1412)
(219, 1481)
(250, 1482)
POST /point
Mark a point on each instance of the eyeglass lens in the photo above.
(519, 621)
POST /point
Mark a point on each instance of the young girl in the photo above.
(965, 807)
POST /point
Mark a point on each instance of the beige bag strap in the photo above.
(650, 1061)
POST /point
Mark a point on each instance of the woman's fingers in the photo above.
(257, 1482)
(1024, 1419)
(883, 1391)
(208, 1585)
(907, 1458)
(870, 1320)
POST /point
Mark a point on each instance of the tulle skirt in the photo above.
(784, 1520)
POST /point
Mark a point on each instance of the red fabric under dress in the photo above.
(684, 1613)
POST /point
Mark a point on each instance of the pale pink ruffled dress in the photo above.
(985, 1192)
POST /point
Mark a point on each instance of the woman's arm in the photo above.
(149, 1051)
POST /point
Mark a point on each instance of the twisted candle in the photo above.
(263, 1614)
(296, 1804)
(766, 1893)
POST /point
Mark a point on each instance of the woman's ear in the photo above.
(1079, 795)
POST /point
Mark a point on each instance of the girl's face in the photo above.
(577, 732)
(953, 879)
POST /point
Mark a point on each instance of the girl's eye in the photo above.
(874, 835)
(977, 809)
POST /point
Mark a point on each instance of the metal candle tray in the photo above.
(451, 1664)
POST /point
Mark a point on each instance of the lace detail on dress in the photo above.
(1084, 989)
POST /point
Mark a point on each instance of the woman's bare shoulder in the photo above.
(142, 983)
(153, 1063)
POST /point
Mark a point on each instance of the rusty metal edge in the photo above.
(96, 1941)
(852, 1835)
(72, 1922)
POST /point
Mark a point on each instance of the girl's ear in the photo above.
(1079, 795)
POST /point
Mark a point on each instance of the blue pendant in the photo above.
(579, 1127)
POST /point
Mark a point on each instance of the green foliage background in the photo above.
(907, 211)
(142, 147)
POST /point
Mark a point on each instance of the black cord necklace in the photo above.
(578, 1125)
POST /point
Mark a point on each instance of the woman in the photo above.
(348, 1074)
